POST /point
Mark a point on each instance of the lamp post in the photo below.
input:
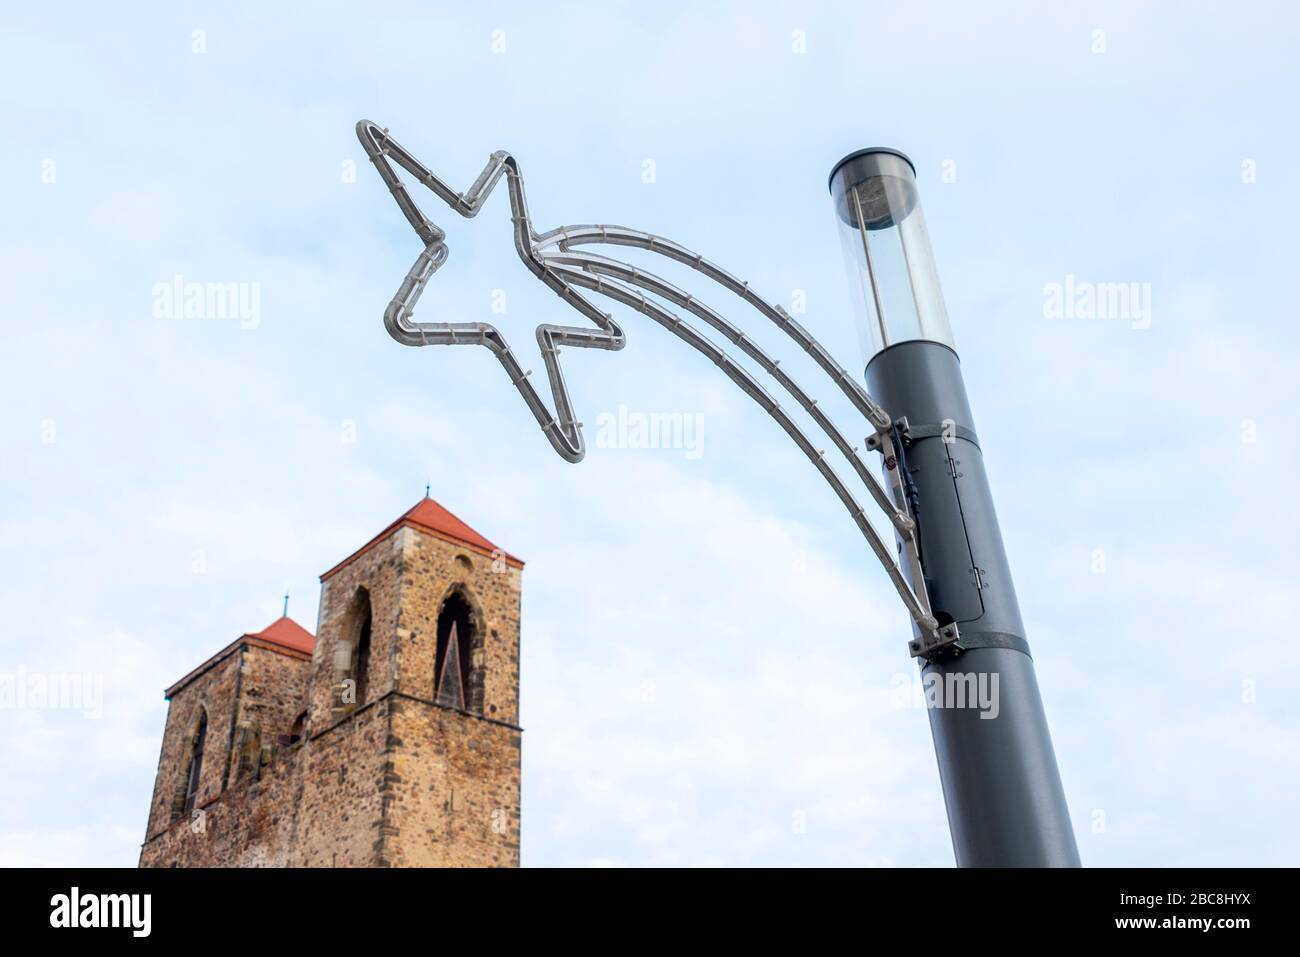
(1006, 806)
(1004, 797)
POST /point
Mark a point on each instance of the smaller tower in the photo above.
(226, 721)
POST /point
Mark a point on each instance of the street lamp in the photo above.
(877, 190)
(1000, 781)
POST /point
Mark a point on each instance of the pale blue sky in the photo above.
(710, 675)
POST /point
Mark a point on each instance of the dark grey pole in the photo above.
(1006, 806)
(1001, 786)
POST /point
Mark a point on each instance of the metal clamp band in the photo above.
(993, 639)
(914, 432)
(949, 642)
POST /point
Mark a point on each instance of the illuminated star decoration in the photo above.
(551, 258)
(560, 425)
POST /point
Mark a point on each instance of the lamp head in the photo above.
(891, 268)
(885, 185)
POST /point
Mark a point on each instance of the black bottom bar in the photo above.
(945, 907)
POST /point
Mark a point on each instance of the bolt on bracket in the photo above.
(936, 644)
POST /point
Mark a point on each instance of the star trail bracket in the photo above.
(556, 258)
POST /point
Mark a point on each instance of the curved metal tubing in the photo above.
(674, 323)
(568, 236)
(563, 270)
(601, 265)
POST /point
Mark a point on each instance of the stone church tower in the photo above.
(392, 738)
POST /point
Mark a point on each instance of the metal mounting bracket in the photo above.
(936, 644)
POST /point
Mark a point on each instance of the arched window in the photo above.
(195, 767)
(352, 654)
(299, 728)
(455, 684)
(361, 655)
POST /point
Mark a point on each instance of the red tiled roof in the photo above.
(287, 633)
(427, 515)
(283, 633)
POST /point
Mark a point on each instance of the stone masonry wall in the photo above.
(378, 571)
(251, 824)
(215, 691)
(453, 791)
(272, 693)
(341, 813)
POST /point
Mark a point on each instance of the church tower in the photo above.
(427, 605)
(404, 748)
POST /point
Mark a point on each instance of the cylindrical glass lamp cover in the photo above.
(895, 286)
